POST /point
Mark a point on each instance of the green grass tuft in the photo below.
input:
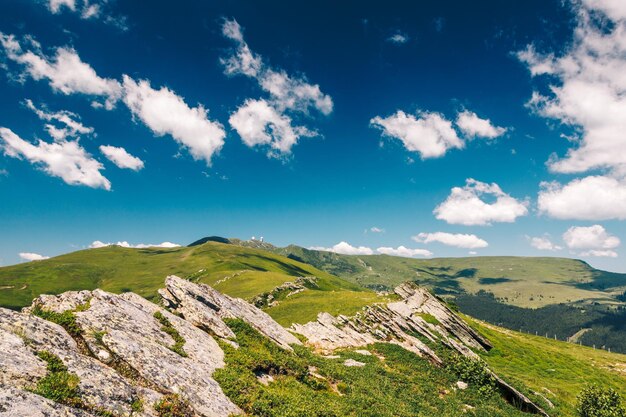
(168, 328)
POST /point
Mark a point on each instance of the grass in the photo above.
(66, 319)
(393, 382)
(557, 370)
(58, 384)
(167, 327)
(305, 306)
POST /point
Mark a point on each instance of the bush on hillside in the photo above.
(595, 401)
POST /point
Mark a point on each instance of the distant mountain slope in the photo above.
(521, 281)
(236, 270)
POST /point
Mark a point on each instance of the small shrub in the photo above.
(167, 327)
(595, 401)
(173, 405)
(472, 371)
(136, 406)
(58, 385)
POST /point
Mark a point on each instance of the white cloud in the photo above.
(121, 158)
(166, 113)
(88, 9)
(258, 123)
(592, 237)
(269, 121)
(55, 6)
(71, 126)
(599, 253)
(29, 256)
(430, 134)
(589, 198)
(404, 252)
(459, 240)
(473, 126)
(543, 243)
(398, 38)
(287, 93)
(98, 244)
(465, 206)
(587, 83)
(472, 252)
(65, 71)
(375, 229)
(345, 248)
(64, 159)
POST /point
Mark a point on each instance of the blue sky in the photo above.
(410, 128)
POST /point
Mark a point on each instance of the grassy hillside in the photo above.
(522, 281)
(556, 370)
(234, 270)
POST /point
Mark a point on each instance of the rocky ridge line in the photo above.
(126, 351)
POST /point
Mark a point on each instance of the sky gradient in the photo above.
(408, 128)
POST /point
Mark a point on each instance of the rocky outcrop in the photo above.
(418, 315)
(125, 354)
(124, 350)
(206, 307)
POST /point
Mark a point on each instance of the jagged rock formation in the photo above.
(399, 323)
(123, 350)
(126, 354)
(286, 289)
(206, 307)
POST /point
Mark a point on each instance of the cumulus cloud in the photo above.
(592, 237)
(459, 240)
(473, 126)
(590, 198)
(98, 244)
(65, 71)
(404, 252)
(71, 126)
(30, 256)
(258, 123)
(398, 38)
(269, 122)
(121, 158)
(345, 248)
(64, 159)
(587, 83)
(375, 229)
(164, 112)
(465, 205)
(543, 243)
(286, 92)
(429, 134)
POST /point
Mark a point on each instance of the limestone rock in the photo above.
(24, 335)
(199, 303)
(352, 362)
(18, 403)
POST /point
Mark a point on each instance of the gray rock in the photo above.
(352, 362)
(202, 305)
(18, 403)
